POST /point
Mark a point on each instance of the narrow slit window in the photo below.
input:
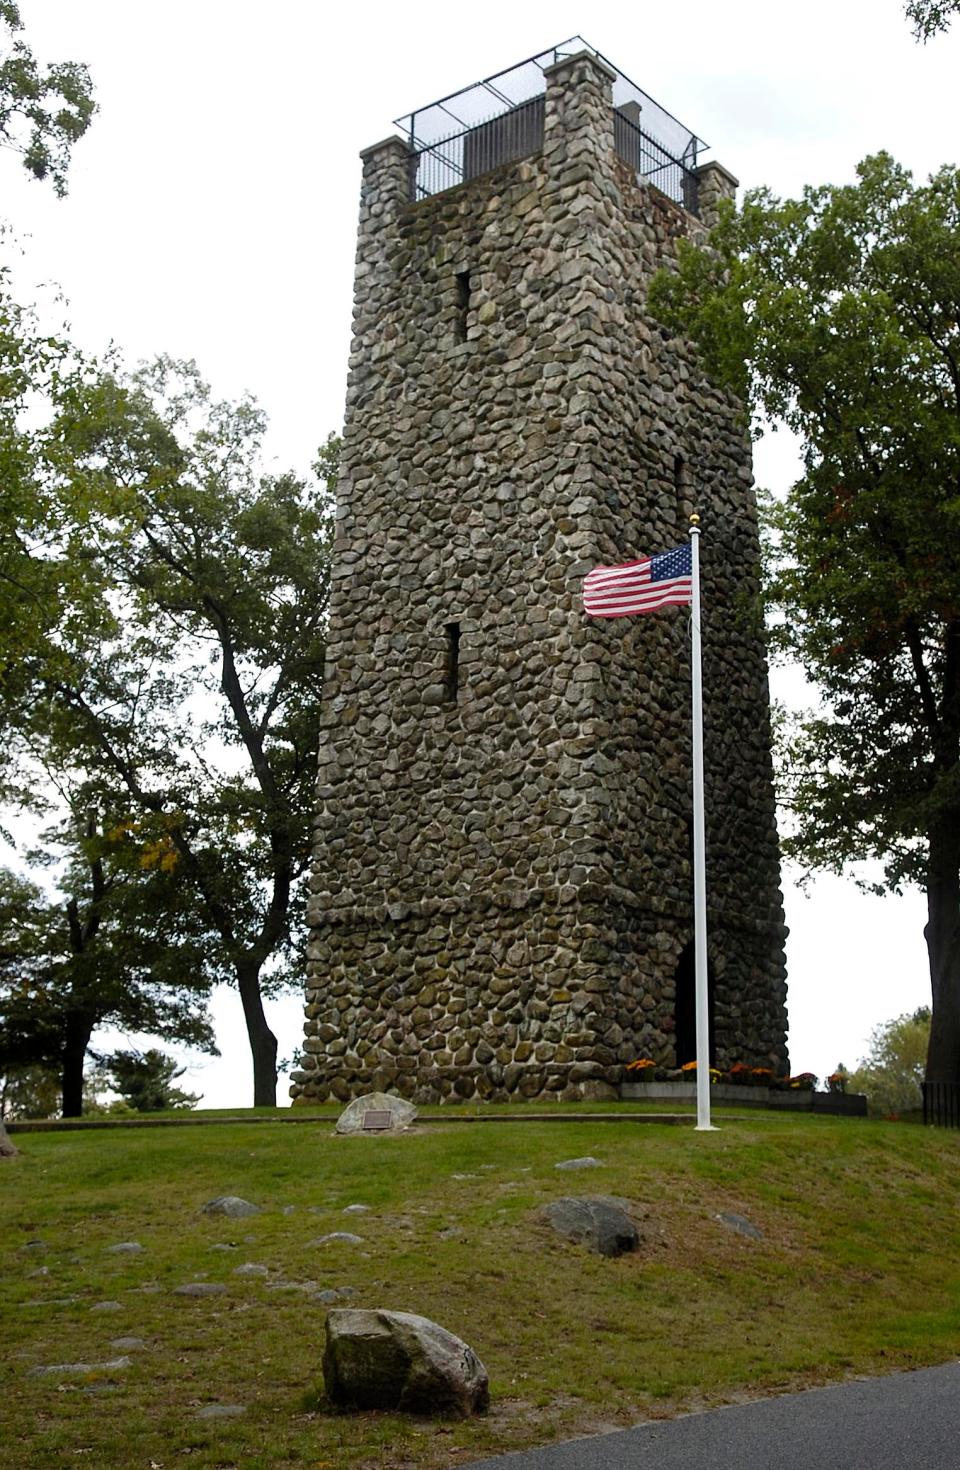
(463, 305)
(452, 671)
(680, 487)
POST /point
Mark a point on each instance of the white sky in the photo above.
(212, 214)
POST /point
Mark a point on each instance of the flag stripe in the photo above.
(678, 597)
(641, 586)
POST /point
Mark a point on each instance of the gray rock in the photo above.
(334, 1294)
(199, 1288)
(339, 1235)
(231, 1206)
(127, 1344)
(125, 1248)
(221, 1411)
(76, 1370)
(356, 1209)
(399, 1361)
(107, 1307)
(249, 1268)
(598, 1222)
(40, 1271)
(222, 1247)
(739, 1224)
(585, 1163)
(402, 1113)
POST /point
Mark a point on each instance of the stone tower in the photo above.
(501, 903)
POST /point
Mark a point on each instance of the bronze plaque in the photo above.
(375, 1120)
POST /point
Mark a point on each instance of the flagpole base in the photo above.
(705, 1128)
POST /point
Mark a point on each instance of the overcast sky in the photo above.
(212, 214)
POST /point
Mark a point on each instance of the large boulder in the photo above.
(397, 1360)
(389, 1114)
(599, 1222)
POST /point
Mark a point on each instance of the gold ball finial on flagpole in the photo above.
(694, 519)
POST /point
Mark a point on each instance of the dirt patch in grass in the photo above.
(855, 1273)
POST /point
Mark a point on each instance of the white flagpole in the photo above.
(699, 846)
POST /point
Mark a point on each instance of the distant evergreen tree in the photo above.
(145, 1080)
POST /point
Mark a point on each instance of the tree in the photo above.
(43, 111)
(892, 1071)
(113, 945)
(145, 1080)
(183, 675)
(838, 314)
(29, 1092)
(7, 1149)
(929, 17)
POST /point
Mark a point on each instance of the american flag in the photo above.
(640, 586)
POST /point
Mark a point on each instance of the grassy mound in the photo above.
(856, 1273)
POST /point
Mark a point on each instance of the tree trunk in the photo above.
(942, 934)
(7, 1149)
(78, 1033)
(263, 1043)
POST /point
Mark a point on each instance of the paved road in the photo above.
(908, 1421)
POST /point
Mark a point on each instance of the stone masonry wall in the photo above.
(502, 888)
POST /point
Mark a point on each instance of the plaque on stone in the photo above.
(376, 1112)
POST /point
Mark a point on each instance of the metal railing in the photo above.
(652, 163)
(464, 155)
(518, 133)
(500, 119)
(941, 1104)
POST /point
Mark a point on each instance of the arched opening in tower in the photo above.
(685, 1008)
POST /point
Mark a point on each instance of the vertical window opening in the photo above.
(680, 488)
(463, 305)
(685, 1009)
(452, 672)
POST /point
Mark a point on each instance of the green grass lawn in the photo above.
(858, 1272)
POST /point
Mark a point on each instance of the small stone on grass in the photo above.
(77, 1370)
(599, 1222)
(585, 1163)
(125, 1248)
(199, 1288)
(739, 1224)
(221, 1411)
(230, 1205)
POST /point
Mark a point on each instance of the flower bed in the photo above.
(740, 1085)
(645, 1069)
